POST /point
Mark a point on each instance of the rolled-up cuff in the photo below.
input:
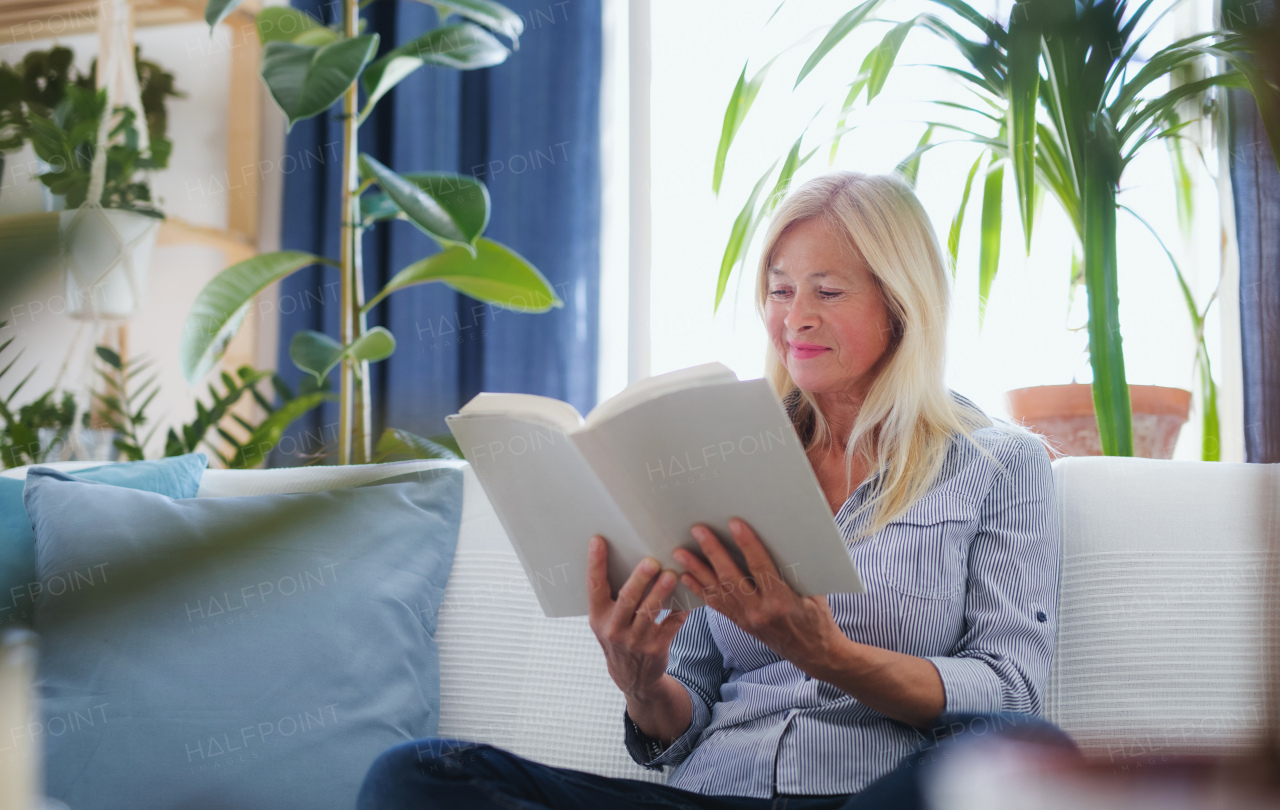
(649, 752)
(970, 686)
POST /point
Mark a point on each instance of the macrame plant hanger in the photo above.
(88, 273)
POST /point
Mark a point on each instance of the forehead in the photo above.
(812, 250)
(816, 250)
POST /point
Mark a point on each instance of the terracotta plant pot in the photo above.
(1063, 414)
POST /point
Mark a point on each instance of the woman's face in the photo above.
(826, 317)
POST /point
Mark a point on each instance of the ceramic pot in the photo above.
(1064, 415)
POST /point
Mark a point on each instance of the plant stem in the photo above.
(349, 258)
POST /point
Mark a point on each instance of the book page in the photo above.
(654, 387)
(527, 406)
(550, 502)
(706, 454)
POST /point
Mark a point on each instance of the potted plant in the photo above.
(1064, 103)
(98, 159)
(308, 67)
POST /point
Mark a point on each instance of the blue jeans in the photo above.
(444, 773)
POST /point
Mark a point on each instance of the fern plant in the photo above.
(257, 439)
(20, 441)
(123, 401)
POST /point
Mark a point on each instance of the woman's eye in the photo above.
(778, 293)
(829, 293)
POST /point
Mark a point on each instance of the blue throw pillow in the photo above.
(250, 652)
(177, 477)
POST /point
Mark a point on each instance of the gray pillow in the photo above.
(254, 652)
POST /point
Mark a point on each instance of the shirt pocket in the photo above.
(927, 547)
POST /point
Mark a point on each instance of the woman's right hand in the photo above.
(636, 647)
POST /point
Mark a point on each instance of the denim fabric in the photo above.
(444, 773)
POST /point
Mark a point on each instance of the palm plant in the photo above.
(308, 67)
(1061, 98)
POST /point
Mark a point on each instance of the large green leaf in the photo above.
(1024, 90)
(1106, 356)
(883, 57)
(447, 208)
(989, 250)
(957, 222)
(461, 47)
(306, 80)
(740, 101)
(851, 20)
(463, 197)
(738, 236)
(284, 24)
(855, 88)
(494, 16)
(792, 162)
(496, 274)
(909, 167)
(316, 353)
(217, 10)
(221, 306)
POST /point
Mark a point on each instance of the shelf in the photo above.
(234, 246)
(25, 20)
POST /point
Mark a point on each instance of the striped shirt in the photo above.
(966, 578)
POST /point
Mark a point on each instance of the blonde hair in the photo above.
(909, 415)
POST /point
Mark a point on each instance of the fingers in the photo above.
(757, 556)
(694, 566)
(599, 598)
(624, 610)
(652, 605)
(726, 569)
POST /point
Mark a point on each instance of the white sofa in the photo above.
(1159, 647)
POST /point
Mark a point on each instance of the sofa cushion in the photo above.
(177, 477)
(1161, 638)
(509, 676)
(243, 652)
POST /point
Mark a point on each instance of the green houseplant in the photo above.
(1063, 102)
(47, 102)
(308, 67)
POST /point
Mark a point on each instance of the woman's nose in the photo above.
(802, 313)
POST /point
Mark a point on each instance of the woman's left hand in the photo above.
(800, 629)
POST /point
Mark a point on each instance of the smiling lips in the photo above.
(804, 351)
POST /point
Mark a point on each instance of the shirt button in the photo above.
(1040, 617)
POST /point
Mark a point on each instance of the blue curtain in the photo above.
(1255, 185)
(529, 129)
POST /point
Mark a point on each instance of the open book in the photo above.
(692, 446)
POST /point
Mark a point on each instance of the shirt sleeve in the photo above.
(1001, 662)
(697, 663)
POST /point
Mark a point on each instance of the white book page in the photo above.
(526, 406)
(654, 387)
(707, 454)
(550, 502)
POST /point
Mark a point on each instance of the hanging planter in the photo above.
(107, 256)
(98, 138)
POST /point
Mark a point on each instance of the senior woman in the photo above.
(764, 698)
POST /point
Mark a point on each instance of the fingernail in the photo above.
(649, 565)
(667, 578)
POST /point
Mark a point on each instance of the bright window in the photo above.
(698, 50)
